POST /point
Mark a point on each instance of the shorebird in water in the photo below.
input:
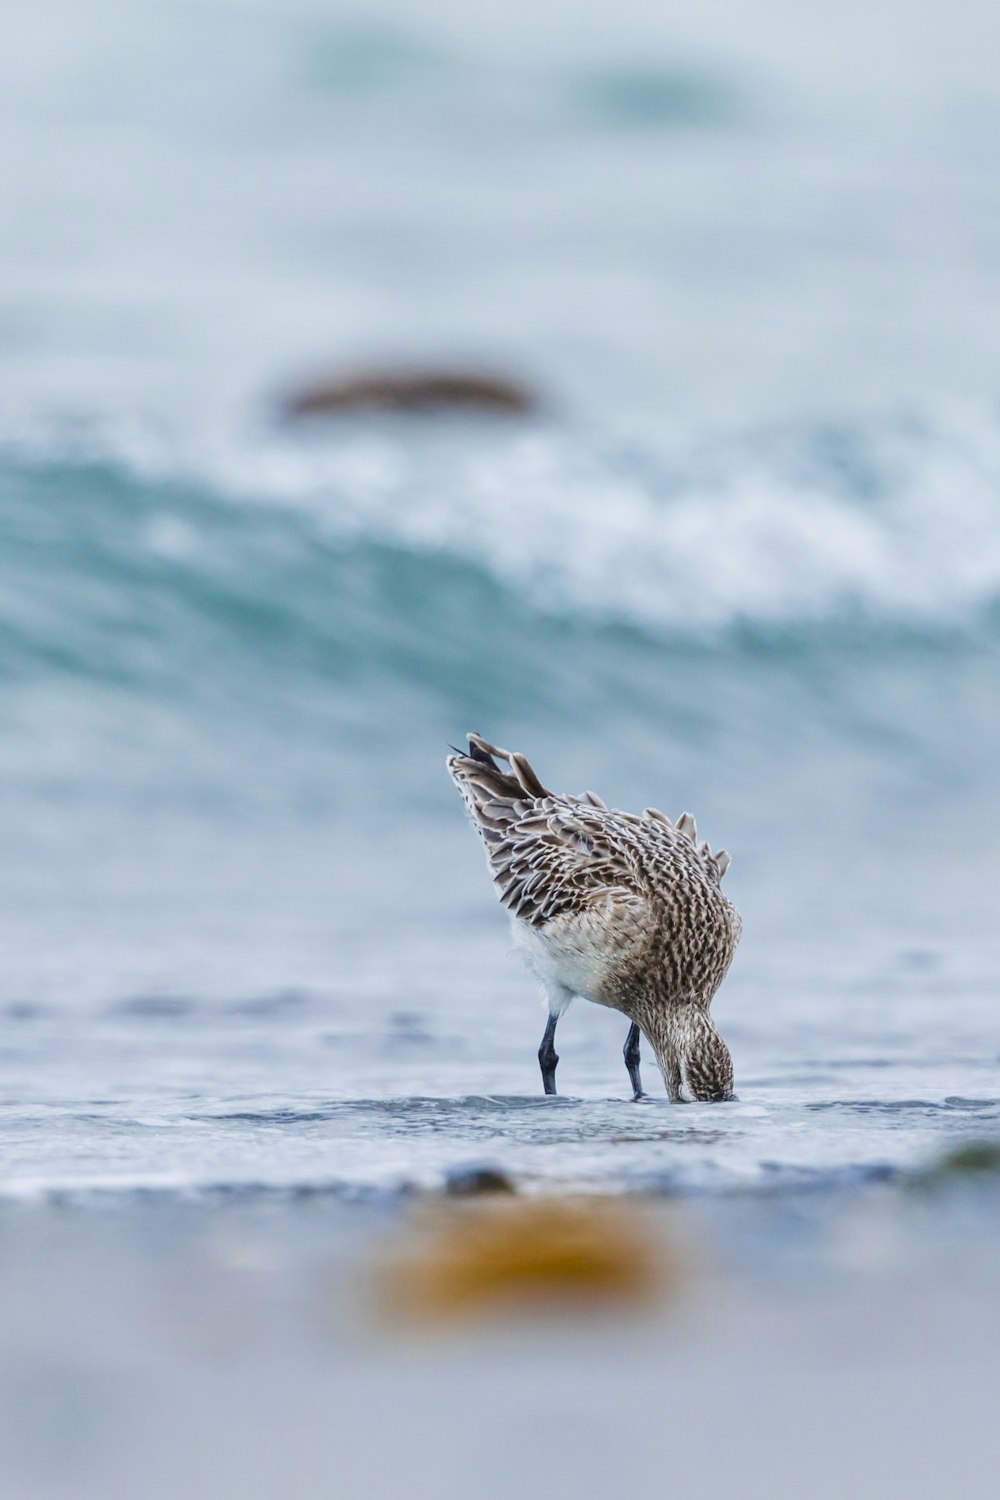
(625, 911)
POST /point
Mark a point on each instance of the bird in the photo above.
(626, 911)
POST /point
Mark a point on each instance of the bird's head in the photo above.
(695, 1062)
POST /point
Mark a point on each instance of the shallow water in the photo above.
(355, 1094)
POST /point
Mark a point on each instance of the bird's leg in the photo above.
(631, 1054)
(547, 1058)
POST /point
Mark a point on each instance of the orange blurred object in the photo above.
(555, 1255)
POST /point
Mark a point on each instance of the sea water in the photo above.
(744, 561)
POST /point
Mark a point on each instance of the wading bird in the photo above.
(622, 910)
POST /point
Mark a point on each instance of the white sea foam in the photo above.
(690, 537)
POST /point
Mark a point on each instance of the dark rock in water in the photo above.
(974, 1159)
(411, 391)
(469, 1182)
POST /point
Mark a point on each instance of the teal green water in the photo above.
(249, 939)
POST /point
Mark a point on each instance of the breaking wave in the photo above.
(890, 528)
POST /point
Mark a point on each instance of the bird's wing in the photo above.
(551, 855)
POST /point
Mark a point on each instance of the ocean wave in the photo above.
(891, 526)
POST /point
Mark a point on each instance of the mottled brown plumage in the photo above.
(625, 911)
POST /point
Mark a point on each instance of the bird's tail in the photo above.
(480, 779)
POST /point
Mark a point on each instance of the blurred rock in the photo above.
(470, 1182)
(975, 1159)
(411, 391)
(471, 1261)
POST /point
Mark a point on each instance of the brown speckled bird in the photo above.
(625, 911)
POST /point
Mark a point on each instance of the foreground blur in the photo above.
(795, 1348)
